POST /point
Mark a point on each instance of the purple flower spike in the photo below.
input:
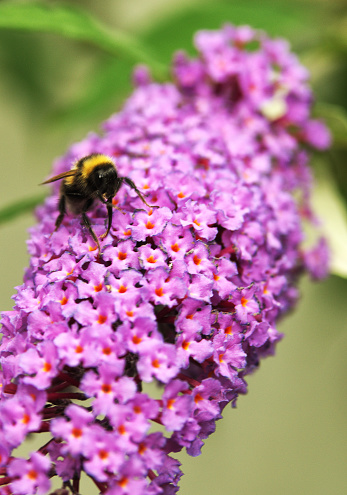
(185, 294)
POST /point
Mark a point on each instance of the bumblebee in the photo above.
(92, 177)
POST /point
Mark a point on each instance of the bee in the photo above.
(92, 177)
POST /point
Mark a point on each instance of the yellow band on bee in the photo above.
(93, 161)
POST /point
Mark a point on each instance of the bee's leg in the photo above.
(62, 211)
(86, 223)
(132, 185)
(110, 214)
(118, 186)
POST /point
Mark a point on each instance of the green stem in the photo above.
(18, 208)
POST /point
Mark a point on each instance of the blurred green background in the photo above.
(289, 434)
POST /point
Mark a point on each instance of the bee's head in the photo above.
(104, 179)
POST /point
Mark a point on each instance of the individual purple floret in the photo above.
(185, 294)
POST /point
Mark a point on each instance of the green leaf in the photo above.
(23, 65)
(336, 119)
(106, 87)
(330, 208)
(21, 207)
(73, 22)
(294, 20)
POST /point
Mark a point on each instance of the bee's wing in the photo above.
(69, 173)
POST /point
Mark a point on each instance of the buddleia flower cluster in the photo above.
(163, 325)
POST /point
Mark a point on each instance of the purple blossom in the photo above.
(185, 294)
(30, 476)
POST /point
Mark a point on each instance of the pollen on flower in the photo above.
(63, 301)
(78, 349)
(142, 448)
(136, 340)
(98, 288)
(151, 259)
(221, 358)
(26, 418)
(93, 248)
(122, 256)
(32, 474)
(198, 398)
(107, 351)
(244, 301)
(106, 388)
(197, 222)
(122, 430)
(216, 277)
(181, 195)
(76, 432)
(137, 409)
(149, 225)
(103, 454)
(122, 289)
(185, 344)
(175, 247)
(47, 367)
(127, 232)
(123, 482)
(196, 259)
(170, 403)
(228, 330)
(129, 313)
(155, 363)
(102, 319)
(190, 316)
(159, 291)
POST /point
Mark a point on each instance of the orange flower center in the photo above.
(47, 367)
(32, 474)
(185, 345)
(122, 429)
(106, 388)
(102, 319)
(244, 301)
(103, 454)
(136, 339)
(197, 260)
(76, 432)
(25, 419)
